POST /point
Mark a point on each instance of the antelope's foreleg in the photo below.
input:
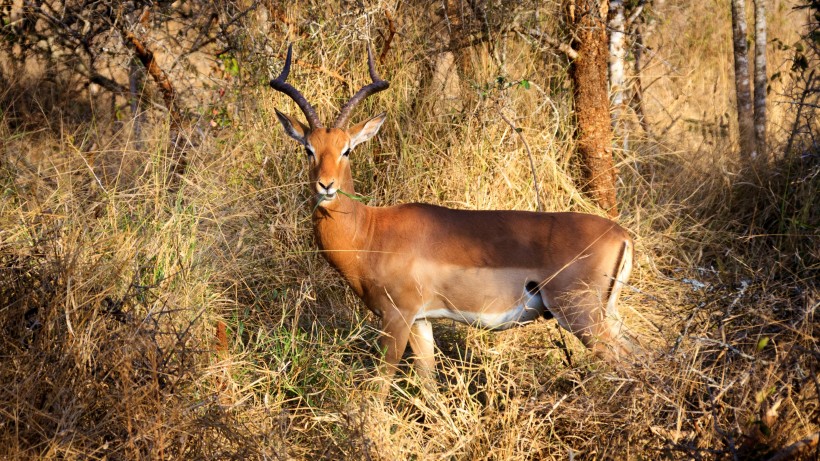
(393, 342)
(421, 341)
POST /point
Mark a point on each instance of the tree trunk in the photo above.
(617, 57)
(591, 101)
(636, 101)
(761, 80)
(640, 26)
(445, 83)
(745, 117)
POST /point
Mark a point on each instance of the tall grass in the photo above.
(115, 288)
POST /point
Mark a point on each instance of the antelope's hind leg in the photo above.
(583, 313)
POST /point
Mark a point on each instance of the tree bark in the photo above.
(745, 117)
(761, 80)
(588, 73)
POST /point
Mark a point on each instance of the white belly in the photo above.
(494, 298)
(524, 309)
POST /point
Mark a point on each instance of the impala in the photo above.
(493, 269)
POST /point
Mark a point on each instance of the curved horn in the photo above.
(368, 90)
(280, 85)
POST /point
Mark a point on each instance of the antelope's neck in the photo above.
(343, 233)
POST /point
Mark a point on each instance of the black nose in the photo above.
(325, 187)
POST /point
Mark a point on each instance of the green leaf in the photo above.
(230, 63)
(525, 84)
(762, 343)
(358, 198)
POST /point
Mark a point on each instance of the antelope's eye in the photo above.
(346, 152)
(309, 151)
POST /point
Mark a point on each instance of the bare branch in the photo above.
(391, 32)
(548, 40)
(146, 56)
(107, 83)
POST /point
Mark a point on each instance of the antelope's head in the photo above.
(328, 149)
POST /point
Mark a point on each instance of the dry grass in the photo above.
(112, 288)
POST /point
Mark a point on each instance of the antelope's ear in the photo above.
(294, 128)
(365, 130)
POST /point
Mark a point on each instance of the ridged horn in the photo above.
(280, 85)
(377, 85)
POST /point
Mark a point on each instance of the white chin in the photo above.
(324, 199)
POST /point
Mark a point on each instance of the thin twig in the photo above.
(729, 347)
(199, 43)
(529, 154)
(548, 40)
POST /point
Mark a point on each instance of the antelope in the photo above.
(415, 262)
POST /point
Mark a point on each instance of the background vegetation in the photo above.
(155, 312)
